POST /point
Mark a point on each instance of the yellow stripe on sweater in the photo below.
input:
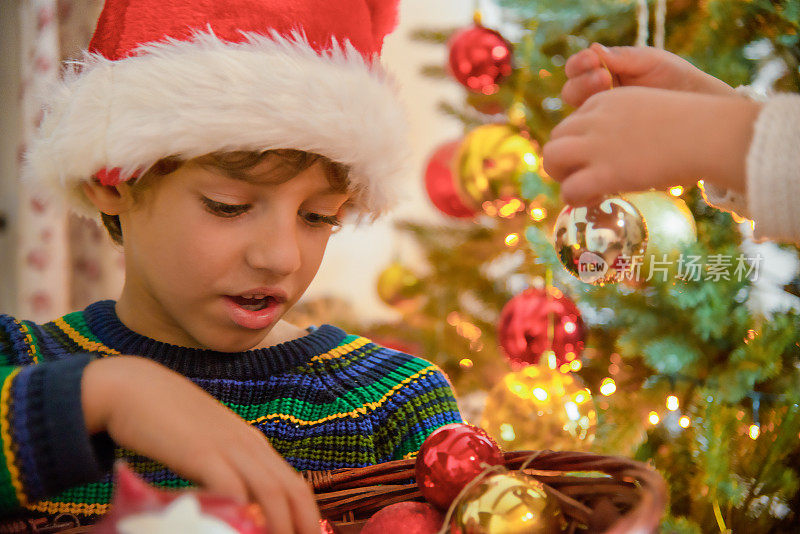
(5, 433)
(82, 340)
(354, 413)
(341, 350)
(78, 508)
(23, 328)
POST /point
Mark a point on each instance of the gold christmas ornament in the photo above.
(670, 223)
(506, 503)
(540, 408)
(399, 286)
(599, 243)
(492, 160)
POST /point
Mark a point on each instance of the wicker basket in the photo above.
(613, 495)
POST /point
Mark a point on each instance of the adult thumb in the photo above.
(624, 62)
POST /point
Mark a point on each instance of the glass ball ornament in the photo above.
(670, 226)
(492, 160)
(440, 182)
(450, 458)
(479, 58)
(540, 408)
(506, 503)
(400, 287)
(523, 328)
(598, 243)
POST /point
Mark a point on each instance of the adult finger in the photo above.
(585, 186)
(581, 62)
(577, 90)
(575, 124)
(562, 157)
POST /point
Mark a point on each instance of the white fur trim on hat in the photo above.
(191, 98)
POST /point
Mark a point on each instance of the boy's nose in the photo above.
(278, 251)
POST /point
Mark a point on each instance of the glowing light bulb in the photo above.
(529, 158)
(512, 239)
(465, 363)
(754, 431)
(537, 214)
(684, 421)
(575, 365)
(676, 191)
(653, 418)
(672, 403)
(607, 386)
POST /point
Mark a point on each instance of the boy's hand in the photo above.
(634, 139)
(633, 66)
(147, 408)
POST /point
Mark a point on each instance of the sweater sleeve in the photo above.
(46, 448)
(773, 172)
(425, 403)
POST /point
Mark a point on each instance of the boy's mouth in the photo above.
(254, 304)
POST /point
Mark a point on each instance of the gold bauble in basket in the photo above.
(540, 408)
(506, 503)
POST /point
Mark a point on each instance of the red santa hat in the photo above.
(189, 77)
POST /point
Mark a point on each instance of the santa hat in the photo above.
(189, 77)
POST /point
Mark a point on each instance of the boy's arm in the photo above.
(45, 446)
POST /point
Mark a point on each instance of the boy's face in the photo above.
(200, 240)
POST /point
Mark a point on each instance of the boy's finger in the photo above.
(274, 503)
(560, 158)
(577, 90)
(304, 508)
(220, 478)
(580, 62)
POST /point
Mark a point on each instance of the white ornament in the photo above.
(182, 515)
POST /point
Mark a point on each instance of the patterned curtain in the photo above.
(63, 262)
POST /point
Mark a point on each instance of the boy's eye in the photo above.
(225, 210)
(317, 219)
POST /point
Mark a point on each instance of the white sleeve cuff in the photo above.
(773, 170)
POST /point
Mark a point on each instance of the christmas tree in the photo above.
(693, 365)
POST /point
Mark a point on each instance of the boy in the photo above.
(222, 142)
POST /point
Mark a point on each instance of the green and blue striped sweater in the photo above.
(327, 400)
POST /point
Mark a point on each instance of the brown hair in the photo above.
(289, 163)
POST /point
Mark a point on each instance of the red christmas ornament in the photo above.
(450, 458)
(407, 517)
(139, 507)
(480, 59)
(523, 327)
(440, 182)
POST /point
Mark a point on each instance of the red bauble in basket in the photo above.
(523, 327)
(408, 517)
(440, 182)
(450, 458)
(480, 59)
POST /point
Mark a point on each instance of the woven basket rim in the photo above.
(345, 494)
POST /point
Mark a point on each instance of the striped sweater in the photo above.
(326, 400)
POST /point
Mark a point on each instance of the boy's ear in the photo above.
(109, 199)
